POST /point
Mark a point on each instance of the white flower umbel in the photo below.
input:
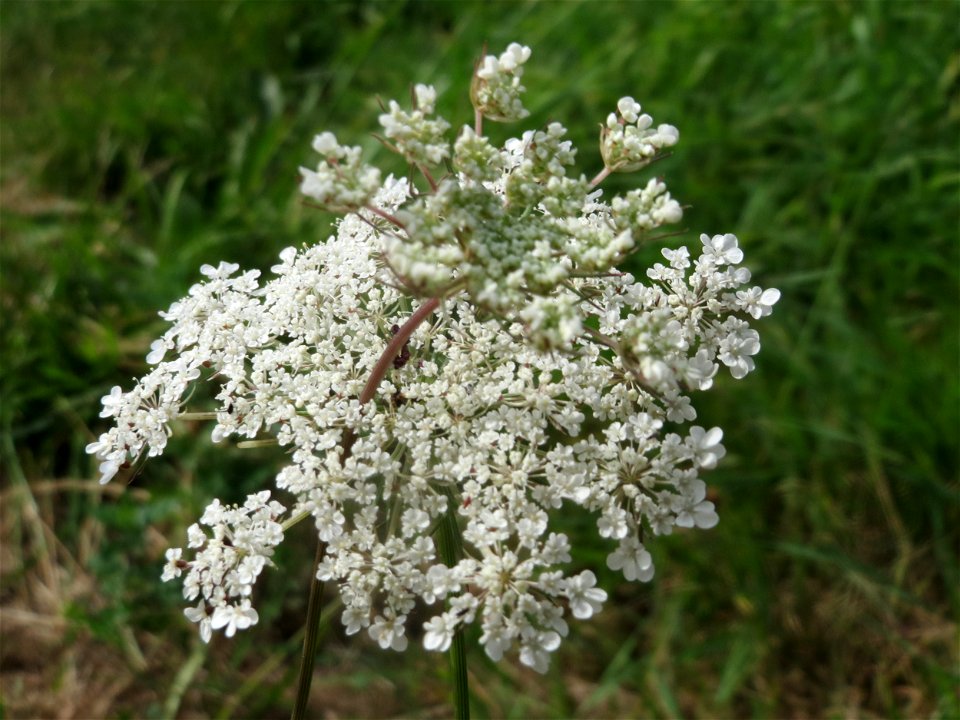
(341, 182)
(496, 87)
(628, 140)
(525, 374)
(227, 562)
(417, 136)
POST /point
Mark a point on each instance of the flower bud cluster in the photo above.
(475, 158)
(539, 178)
(514, 225)
(546, 379)
(646, 208)
(628, 140)
(496, 89)
(341, 182)
(417, 136)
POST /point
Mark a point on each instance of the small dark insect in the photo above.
(131, 469)
(403, 357)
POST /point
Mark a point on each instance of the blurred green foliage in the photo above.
(140, 140)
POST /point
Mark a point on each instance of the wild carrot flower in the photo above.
(545, 378)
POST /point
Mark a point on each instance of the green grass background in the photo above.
(142, 139)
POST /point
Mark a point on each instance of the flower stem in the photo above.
(461, 688)
(451, 550)
(394, 347)
(312, 627)
(602, 339)
(314, 604)
(385, 215)
(600, 177)
(428, 177)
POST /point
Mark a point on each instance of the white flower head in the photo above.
(628, 140)
(463, 348)
(496, 87)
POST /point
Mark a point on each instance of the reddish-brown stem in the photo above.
(664, 236)
(477, 122)
(600, 177)
(394, 347)
(602, 339)
(385, 215)
(428, 177)
(386, 143)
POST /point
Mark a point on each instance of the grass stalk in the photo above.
(171, 706)
(312, 628)
(451, 550)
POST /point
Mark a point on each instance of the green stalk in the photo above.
(314, 604)
(311, 630)
(451, 550)
(183, 679)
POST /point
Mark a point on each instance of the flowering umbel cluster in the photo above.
(532, 376)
